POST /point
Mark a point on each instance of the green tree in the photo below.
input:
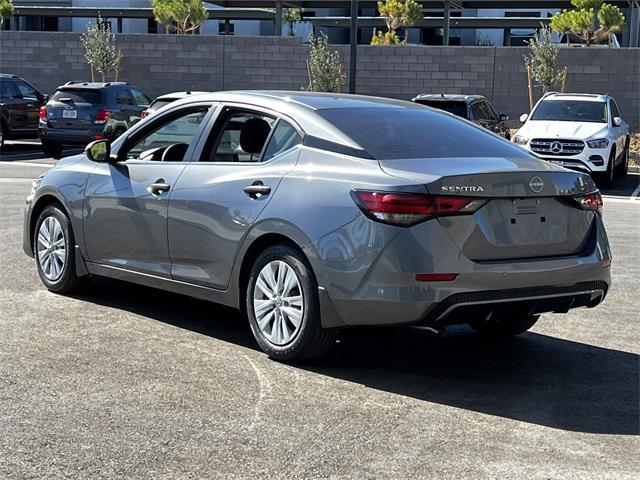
(324, 67)
(290, 16)
(398, 14)
(180, 16)
(100, 49)
(6, 10)
(592, 21)
(542, 60)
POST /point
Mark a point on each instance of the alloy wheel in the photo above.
(51, 248)
(278, 304)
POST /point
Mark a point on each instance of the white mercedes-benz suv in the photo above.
(578, 131)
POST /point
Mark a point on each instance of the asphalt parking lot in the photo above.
(129, 382)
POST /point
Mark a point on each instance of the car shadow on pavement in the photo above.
(533, 378)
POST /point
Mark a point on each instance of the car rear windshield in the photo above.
(571, 111)
(158, 104)
(79, 96)
(457, 108)
(405, 132)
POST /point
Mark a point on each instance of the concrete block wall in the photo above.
(164, 63)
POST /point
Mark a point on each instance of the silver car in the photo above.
(314, 212)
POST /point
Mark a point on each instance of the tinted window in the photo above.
(457, 108)
(390, 133)
(80, 96)
(123, 97)
(614, 109)
(241, 137)
(571, 111)
(140, 98)
(8, 90)
(490, 111)
(27, 91)
(284, 137)
(478, 112)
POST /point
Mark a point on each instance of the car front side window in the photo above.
(27, 91)
(171, 138)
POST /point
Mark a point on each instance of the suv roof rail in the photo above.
(550, 93)
(108, 84)
(74, 82)
(9, 75)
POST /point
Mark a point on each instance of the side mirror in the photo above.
(504, 117)
(617, 121)
(98, 151)
(523, 117)
(45, 98)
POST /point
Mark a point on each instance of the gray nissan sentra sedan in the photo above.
(312, 212)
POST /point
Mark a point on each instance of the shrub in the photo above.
(324, 67)
(100, 49)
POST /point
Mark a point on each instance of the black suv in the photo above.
(19, 105)
(80, 112)
(475, 108)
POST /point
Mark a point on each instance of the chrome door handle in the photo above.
(257, 189)
(158, 187)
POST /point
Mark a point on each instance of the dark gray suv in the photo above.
(80, 112)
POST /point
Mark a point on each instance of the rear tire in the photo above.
(505, 327)
(54, 251)
(283, 308)
(51, 149)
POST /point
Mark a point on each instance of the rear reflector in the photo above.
(436, 277)
(407, 209)
(592, 201)
(44, 117)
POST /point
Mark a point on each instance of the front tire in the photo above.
(54, 251)
(283, 308)
(505, 327)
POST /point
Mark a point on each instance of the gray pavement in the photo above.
(129, 382)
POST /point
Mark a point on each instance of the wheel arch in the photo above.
(39, 205)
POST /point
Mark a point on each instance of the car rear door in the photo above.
(31, 100)
(126, 202)
(219, 196)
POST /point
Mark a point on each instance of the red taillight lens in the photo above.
(592, 201)
(144, 113)
(102, 116)
(406, 209)
(44, 117)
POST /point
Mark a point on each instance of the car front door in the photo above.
(31, 101)
(14, 106)
(219, 197)
(126, 202)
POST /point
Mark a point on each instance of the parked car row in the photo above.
(582, 132)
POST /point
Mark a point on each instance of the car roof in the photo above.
(588, 97)
(448, 97)
(8, 75)
(179, 95)
(302, 107)
(76, 84)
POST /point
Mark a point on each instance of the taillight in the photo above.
(144, 113)
(43, 114)
(591, 201)
(102, 116)
(406, 209)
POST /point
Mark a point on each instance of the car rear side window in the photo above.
(27, 91)
(84, 96)
(8, 90)
(389, 133)
(284, 138)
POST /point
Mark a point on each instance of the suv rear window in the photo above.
(402, 133)
(457, 108)
(79, 95)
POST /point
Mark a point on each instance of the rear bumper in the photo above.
(71, 136)
(369, 273)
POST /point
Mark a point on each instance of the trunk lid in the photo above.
(529, 211)
(74, 108)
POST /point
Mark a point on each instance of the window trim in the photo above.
(214, 121)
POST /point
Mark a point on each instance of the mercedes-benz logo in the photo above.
(536, 184)
(556, 147)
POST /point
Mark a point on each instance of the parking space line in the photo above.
(28, 164)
